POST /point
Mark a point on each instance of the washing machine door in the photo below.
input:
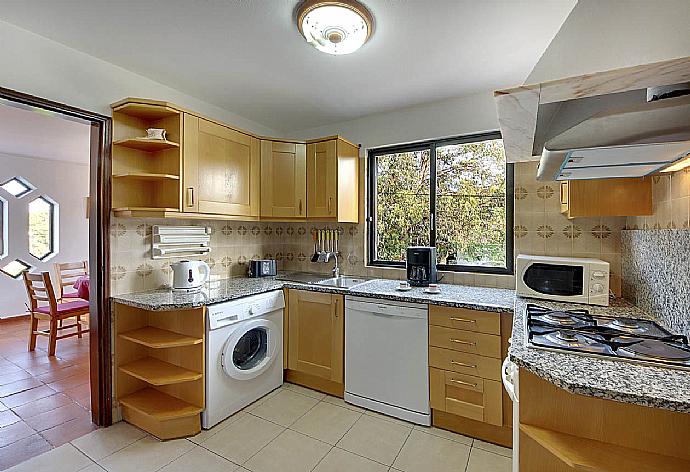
(250, 349)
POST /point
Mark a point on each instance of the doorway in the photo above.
(54, 221)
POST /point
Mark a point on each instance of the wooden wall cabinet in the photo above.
(333, 180)
(466, 394)
(221, 169)
(606, 197)
(283, 179)
(316, 329)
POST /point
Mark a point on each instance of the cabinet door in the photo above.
(283, 179)
(322, 179)
(227, 165)
(315, 335)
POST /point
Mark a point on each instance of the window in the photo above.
(17, 187)
(455, 194)
(15, 268)
(42, 228)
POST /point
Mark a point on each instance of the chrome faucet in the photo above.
(336, 270)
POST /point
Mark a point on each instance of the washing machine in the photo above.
(244, 353)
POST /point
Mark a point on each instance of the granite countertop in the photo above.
(222, 290)
(617, 380)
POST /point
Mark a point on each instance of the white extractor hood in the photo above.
(630, 140)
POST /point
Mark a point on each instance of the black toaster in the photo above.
(262, 268)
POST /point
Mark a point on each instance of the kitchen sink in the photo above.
(342, 282)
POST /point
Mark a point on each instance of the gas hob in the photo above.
(630, 339)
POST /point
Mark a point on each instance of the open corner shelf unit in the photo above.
(146, 172)
(159, 360)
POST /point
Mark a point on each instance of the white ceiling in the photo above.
(34, 133)
(248, 57)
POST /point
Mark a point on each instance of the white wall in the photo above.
(39, 66)
(67, 184)
(453, 117)
(609, 34)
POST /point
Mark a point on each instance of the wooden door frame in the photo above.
(100, 172)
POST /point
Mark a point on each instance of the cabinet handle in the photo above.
(300, 206)
(335, 308)
(330, 200)
(463, 320)
(465, 384)
(460, 341)
(462, 364)
(190, 196)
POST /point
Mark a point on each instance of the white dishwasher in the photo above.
(386, 357)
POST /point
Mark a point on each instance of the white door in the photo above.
(250, 349)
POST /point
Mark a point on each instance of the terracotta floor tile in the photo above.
(42, 405)
(9, 377)
(63, 373)
(70, 383)
(7, 418)
(19, 386)
(23, 398)
(79, 391)
(68, 431)
(15, 432)
(60, 415)
(3, 407)
(22, 450)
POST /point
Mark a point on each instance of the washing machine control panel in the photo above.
(225, 313)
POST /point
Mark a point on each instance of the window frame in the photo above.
(432, 144)
(53, 229)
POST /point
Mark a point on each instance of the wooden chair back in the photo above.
(68, 272)
(40, 291)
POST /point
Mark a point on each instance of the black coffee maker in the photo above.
(421, 265)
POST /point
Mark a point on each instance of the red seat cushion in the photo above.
(65, 307)
(70, 295)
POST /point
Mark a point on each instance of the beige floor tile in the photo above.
(199, 459)
(65, 458)
(390, 419)
(285, 407)
(340, 402)
(243, 438)
(93, 468)
(504, 451)
(289, 452)
(339, 460)
(375, 439)
(484, 461)
(146, 455)
(305, 391)
(207, 433)
(326, 422)
(424, 452)
(259, 401)
(105, 441)
(442, 433)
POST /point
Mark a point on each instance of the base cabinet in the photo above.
(316, 326)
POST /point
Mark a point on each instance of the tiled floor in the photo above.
(291, 430)
(44, 401)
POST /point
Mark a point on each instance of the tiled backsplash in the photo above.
(539, 229)
(671, 200)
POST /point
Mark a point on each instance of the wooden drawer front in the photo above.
(470, 320)
(465, 395)
(464, 363)
(465, 341)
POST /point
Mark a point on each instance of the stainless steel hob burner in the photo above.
(626, 338)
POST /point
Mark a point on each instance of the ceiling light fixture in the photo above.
(335, 27)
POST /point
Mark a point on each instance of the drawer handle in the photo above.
(466, 384)
(463, 320)
(460, 341)
(462, 364)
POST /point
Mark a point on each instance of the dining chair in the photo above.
(44, 306)
(67, 273)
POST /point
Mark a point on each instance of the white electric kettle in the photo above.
(189, 275)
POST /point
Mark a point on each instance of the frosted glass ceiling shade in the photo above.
(335, 27)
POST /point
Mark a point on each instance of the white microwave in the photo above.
(566, 279)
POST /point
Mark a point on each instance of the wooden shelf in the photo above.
(145, 111)
(157, 372)
(158, 405)
(588, 455)
(147, 145)
(146, 176)
(159, 338)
